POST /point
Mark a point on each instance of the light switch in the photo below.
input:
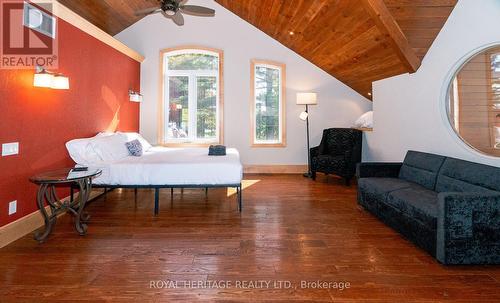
(9, 149)
(12, 207)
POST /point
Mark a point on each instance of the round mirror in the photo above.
(474, 101)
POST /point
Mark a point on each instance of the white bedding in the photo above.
(173, 166)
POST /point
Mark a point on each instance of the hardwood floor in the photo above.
(291, 230)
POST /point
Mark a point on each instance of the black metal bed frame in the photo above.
(157, 188)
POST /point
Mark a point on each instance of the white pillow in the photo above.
(365, 121)
(82, 152)
(132, 136)
(110, 148)
(104, 134)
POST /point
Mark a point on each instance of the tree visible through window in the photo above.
(191, 96)
(267, 104)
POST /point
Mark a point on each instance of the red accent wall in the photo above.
(42, 120)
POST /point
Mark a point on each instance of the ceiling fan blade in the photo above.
(147, 11)
(178, 19)
(197, 10)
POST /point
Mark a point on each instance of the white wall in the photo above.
(339, 106)
(409, 110)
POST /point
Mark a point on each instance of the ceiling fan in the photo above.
(173, 9)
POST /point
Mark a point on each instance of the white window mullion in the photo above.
(255, 105)
(280, 111)
(217, 110)
(166, 96)
(192, 106)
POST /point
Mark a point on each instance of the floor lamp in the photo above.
(307, 99)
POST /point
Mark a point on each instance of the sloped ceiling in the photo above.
(112, 16)
(356, 41)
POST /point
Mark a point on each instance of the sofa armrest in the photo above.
(314, 151)
(378, 169)
(468, 228)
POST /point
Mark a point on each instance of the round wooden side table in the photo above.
(47, 183)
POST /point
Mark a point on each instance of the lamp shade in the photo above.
(43, 79)
(307, 99)
(60, 82)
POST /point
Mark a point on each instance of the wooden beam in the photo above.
(390, 28)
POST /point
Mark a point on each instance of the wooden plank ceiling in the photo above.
(112, 16)
(356, 41)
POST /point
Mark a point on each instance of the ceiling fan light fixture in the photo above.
(170, 12)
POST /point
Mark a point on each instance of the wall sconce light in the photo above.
(60, 82)
(135, 96)
(44, 78)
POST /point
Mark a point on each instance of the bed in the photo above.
(157, 167)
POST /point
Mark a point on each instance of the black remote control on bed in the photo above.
(80, 169)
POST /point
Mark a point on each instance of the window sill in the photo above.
(188, 144)
(264, 145)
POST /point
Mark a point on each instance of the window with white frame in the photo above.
(192, 105)
(268, 104)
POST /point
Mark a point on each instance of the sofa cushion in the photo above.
(416, 202)
(421, 168)
(464, 176)
(379, 188)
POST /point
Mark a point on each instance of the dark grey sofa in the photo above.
(448, 207)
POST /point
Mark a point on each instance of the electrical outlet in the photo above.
(12, 207)
(9, 149)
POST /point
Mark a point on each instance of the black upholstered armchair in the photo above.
(338, 153)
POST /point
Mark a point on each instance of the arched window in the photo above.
(191, 100)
